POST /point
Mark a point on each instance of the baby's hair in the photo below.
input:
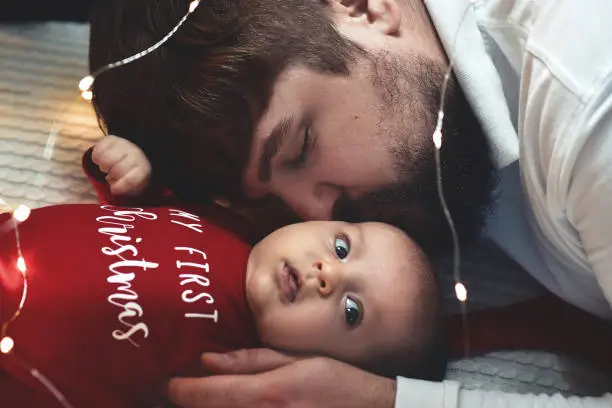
(422, 353)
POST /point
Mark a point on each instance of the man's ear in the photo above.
(384, 16)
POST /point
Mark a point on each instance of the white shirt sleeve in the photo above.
(590, 192)
(448, 394)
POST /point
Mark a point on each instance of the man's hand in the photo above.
(128, 169)
(261, 378)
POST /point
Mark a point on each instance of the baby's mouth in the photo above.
(290, 282)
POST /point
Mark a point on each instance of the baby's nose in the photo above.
(327, 278)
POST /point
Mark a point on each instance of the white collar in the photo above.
(476, 74)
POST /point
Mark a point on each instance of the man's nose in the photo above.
(311, 202)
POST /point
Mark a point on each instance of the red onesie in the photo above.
(119, 300)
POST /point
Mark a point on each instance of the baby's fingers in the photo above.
(132, 183)
(107, 152)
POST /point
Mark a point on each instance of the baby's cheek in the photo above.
(271, 332)
(300, 329)
(282, 329)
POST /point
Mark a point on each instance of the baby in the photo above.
(121, 299)
(129, 173)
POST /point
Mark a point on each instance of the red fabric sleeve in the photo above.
(154, 195)
(546, 323)
(119, 300)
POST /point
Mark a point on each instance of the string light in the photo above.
(461, 292)
(21, 213)
(437, 137)
(7, 343)
(21, 265)
(87, 82)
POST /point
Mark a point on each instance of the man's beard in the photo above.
(467, 169)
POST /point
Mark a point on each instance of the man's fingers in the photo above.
(233, 390)
(247, 361)
(215, 392)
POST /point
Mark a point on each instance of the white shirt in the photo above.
(538, 74)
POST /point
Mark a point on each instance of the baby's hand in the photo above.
(128, 169)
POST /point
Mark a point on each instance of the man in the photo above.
(341, 125)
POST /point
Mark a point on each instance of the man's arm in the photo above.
(265, 378)
(495, 399)
(260, 378)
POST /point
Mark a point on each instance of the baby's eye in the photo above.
(342, 246)
(352, 312)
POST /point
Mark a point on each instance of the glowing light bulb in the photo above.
(437, 139)
(21, 213)
(21, 265)
(193, 5)
(86, 83)
(461, 292)
(87, 95)
(6, 345)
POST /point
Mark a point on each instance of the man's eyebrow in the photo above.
(271, 147)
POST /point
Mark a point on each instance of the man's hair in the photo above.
(193, 104)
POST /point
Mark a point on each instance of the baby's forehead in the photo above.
(389, 234)
(397, 262)
(381, 226)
